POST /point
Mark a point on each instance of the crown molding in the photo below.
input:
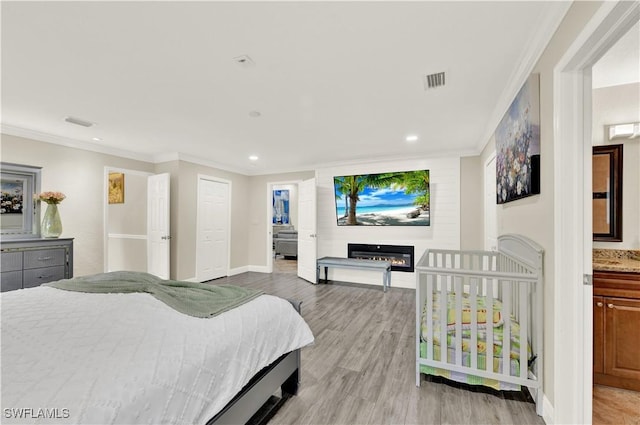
(72, 143)
(532, 52)
(443, 154)
(122, 153)
(177, 156)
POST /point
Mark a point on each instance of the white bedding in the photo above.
(71, 357)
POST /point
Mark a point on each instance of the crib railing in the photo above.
(474, 274)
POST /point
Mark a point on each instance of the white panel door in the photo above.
(307, 240)
(490, 207)
(212, 249)
(158, 231)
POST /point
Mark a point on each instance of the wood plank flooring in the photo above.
(361, 369)
(615, 406)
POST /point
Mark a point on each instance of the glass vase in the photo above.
(51, 223)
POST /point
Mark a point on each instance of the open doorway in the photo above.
(136, 221)
(125, 220)
(573, 321)
(283, 226)
(616, 100)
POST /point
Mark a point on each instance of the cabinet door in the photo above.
(598, 334)
(622, 345)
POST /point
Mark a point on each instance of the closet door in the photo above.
(212, 249)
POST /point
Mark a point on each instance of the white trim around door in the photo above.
(573, 321)
(213, 234)
(105, 209)
(269, 236)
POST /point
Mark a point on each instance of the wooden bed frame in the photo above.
(283, 373)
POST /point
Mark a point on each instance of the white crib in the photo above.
(481, 296)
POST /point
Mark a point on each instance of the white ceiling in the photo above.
(621, 64)
(334, 81)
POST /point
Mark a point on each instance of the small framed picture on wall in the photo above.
(116, 188)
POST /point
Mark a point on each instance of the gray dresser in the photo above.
(31, 262)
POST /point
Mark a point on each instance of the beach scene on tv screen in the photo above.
(386, 199)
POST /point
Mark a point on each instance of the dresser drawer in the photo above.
(44, 258)
(36, 277)
(10, 281)
(11, 261)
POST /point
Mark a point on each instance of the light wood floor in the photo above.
(615, 406)
(361, 369)
(285, 265)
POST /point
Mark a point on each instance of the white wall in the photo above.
(471, 203)
(79, 174)
(184, 195)
(444, 231)
(126, 220)
(533, 217)
(620, 105)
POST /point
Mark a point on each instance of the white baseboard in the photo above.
(238, 270)
(191, 279)
(258, 269)
(547, 411)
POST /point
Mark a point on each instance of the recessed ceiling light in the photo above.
(254, 114)
(96, 139)
(253, 158)
(411, 138)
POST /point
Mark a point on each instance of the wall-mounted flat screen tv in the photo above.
(385, 199)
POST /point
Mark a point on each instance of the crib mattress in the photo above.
(485, 319)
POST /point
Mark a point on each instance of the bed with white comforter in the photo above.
(72, 357)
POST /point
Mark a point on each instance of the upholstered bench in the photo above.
(355, 263)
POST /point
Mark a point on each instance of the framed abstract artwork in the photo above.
(281, 206)
(518, 145)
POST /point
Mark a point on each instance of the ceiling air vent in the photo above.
(432, 81)
(244, 61)
(78, 121)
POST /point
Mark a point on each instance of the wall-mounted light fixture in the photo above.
(624, 131)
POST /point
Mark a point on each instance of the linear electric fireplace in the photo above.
(401, 256)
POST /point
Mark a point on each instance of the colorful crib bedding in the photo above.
(496, 321)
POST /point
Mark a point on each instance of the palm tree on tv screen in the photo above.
(341, 187)
(356, 184)
(417, 182)
(413, 182)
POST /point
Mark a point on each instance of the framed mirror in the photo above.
(607, 193)
(19, 212)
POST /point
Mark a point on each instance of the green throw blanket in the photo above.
(194, 299)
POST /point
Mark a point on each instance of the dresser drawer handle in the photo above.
(599, 304)
(44, 258)
(610, 305)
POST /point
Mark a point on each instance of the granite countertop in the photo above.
(616, 260)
